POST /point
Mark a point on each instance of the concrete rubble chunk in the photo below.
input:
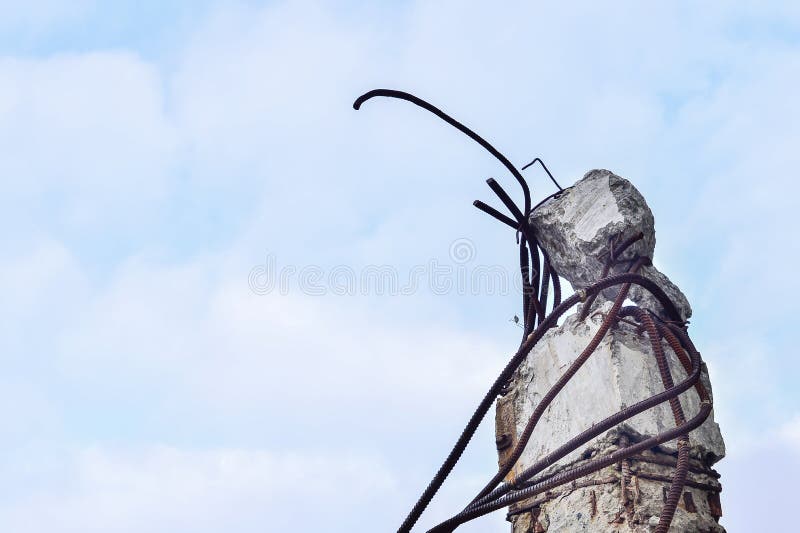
(575, 229)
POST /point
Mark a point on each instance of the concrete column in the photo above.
(575, 230)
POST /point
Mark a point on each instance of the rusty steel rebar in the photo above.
(547, 272)
(391, 93)
(572, 474)
(670, 393)
(613, 255)
(536, 321)
(532, 339)
(692, 368)
(551, 394)
(608, 282)
(511, 366)
(682, 467)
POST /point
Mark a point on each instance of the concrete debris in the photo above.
(575, 229)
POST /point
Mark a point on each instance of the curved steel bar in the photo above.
(693, 371)
(692, 365)
(391, 93)
(676, 346)
(572, 474)
(613, 255)
(508, 370)
(596, 429)
(554, 195)
(682, 467)
(608, 423)
(480, 413)
(551, 394)
(545, 169)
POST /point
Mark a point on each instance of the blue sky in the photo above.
(154, 154)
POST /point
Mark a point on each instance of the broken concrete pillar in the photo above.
(575, 229)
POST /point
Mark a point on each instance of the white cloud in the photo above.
(163, 488)
(90, 128)
(790, 433)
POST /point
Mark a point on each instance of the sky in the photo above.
(192, 335)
